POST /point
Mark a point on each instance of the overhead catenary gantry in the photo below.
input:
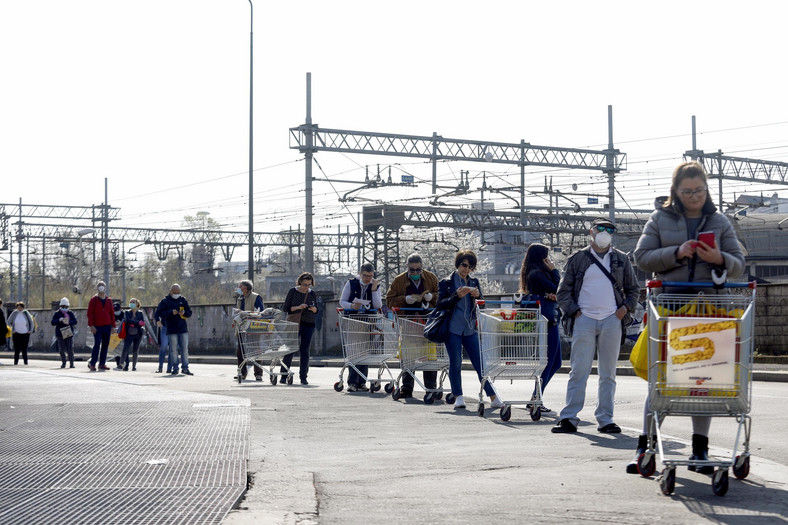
(309, 138)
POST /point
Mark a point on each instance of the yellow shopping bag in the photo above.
(639, 355)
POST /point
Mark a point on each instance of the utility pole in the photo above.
(105, 235)
(309, 232)
(610, 167)
(19, 237)
(251, 144)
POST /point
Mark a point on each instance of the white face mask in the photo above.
(101, 289)
(603, 239)
(175, 295)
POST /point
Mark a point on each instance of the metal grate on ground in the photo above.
(89, 463)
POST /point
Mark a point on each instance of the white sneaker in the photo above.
(459, 402)
(497, 403)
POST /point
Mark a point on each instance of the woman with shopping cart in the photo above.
(539, 280)
(671, 248)
(459, 292)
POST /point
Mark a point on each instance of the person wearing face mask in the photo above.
(22, 325)
(173, 311)
(64, 322)
(135, 328)
(597, 291)
(101, 320)
(416, 289)
(249, 301)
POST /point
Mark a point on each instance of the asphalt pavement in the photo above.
(141, 447)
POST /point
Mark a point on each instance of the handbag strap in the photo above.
(609, 276)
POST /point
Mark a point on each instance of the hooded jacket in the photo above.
(666, 231)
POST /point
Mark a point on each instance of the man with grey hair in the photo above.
(173, 311)
(413, 291)
(249, 301)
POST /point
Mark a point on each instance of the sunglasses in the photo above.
(607, 229)
(414, 270)
(466, 265)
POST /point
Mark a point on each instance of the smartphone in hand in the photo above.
(707, 237)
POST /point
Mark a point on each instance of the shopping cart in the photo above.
(368, 338)
(700, 364)
(416, 353)
(265, 337)
(513, 344)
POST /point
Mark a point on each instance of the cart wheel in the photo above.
(240, 378)
(741, 467)
(719, 483)
(339, 386)
(506, 413)
(481, 410)
(536, 414)
(429, 398)
(450, 399)
(389, 388)
(648, 468)
(290, 380)
(439, 396)
(274, 378)
(374, 386)
(668, 481)
(396, 394)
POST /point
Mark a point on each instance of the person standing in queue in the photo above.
(64, 322)
(412, 289)
(22, 326)
(301, 302)
(101, 320)
(248, 301)
(598, 290)
(669, 248)
(174, 310)
(459, 292)
(361, 295)
(135, 329)
(539, 277)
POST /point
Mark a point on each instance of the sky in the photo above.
(154, 96)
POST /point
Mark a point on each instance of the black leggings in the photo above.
(20, 345)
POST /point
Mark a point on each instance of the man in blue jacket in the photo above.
(173, 311)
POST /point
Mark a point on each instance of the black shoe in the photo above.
(610, 428)
(405, 394)
(158, 370)
(304, 382)
(564, 427)
(700, 452)
(71, 365)
(117, 360)
(632, 466)
(174, 372)
(363, 387)
(283, 380)
(187, 372)
(258, 378)
(63, 365)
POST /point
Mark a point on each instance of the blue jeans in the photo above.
(164, 345)
(454, 348)
(553, 355)
(179, 342)
(100, 345)
(590, 336)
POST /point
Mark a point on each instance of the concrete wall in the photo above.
(771, 319)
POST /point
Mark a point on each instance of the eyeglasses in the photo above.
(414, 270)
(692, 193)
(607, 229)
(466, 265)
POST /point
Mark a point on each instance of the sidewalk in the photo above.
(762, 371)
